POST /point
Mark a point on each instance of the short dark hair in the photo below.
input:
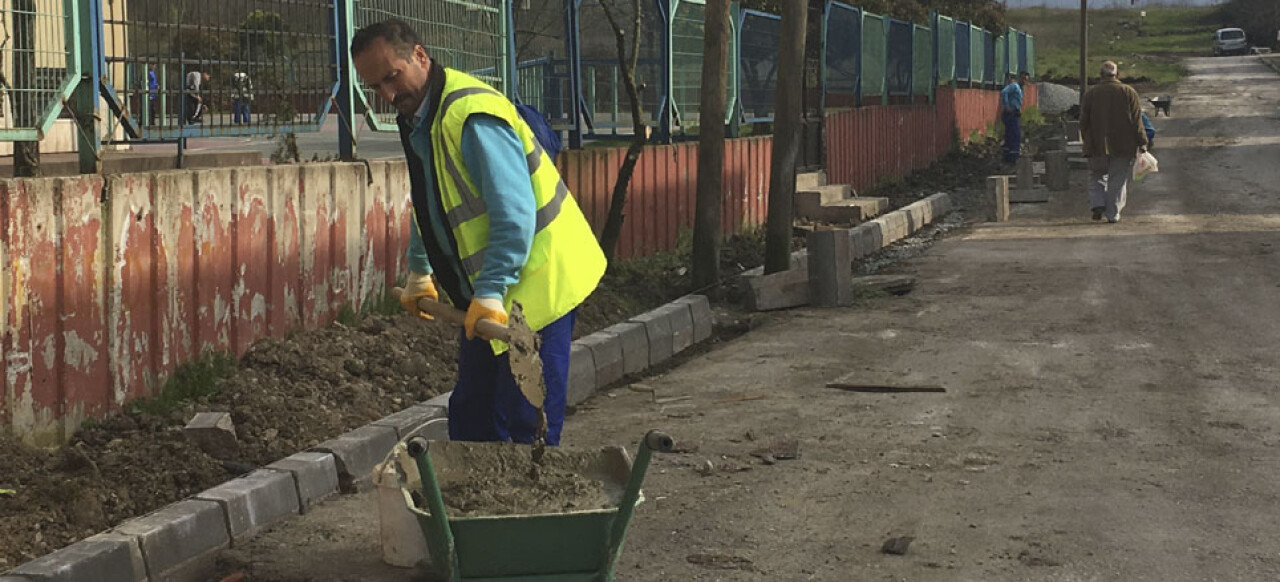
(395, 32)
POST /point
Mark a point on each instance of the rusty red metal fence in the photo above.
(113, 284)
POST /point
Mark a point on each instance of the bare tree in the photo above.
(711, 114)
(627, 62)
(788, 111)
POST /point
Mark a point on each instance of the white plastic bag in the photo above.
(1146, 164)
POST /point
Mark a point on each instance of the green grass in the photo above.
(1153, 49)
(192, 380)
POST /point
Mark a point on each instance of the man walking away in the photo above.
(241, 97)
(1111, 125)
(193, 98)
(1011, 116)
(493, 224)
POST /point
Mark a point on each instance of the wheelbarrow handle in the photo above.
(654, 440)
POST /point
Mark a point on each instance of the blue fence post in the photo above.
(667, 95)
(343, 20)
(574, 48)
(513, 67)
(92, 61)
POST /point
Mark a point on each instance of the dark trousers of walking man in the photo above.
(1012, 136)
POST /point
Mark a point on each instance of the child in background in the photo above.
(1150, 129)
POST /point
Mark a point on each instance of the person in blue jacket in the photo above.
(1011, 116)
(493, 224)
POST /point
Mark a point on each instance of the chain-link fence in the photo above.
(945, 43)
(468, 35)
(874, 47)
(922, 62)
(758, 41)
(233, 67)
(687, 32)
(842, 55)
(38, 64)
(189, 68)
(898, 57)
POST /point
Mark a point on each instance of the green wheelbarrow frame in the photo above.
(577, 546)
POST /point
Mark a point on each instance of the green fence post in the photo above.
(89, 49)
(344, 11)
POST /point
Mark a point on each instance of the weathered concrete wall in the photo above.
(110, 284)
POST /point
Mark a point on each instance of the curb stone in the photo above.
(582, 374)
(606, 354)
(657, 328)
(356, 452)
(409, 420)
(105, 557)
(181, 540)
(635, 346)
(254, 501)
(315, 476)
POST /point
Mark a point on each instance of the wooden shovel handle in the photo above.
(487, 328)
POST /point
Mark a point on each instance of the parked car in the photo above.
(1229, 41)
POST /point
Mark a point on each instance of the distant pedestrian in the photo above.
(193, 97)
(1011, 116)
(153, 91)
(241, 97)
(1111, 125)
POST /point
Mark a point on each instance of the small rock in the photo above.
(706, 468)
(897, 546)
(269, 435)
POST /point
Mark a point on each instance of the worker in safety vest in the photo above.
(493, 224)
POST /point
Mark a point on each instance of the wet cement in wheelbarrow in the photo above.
(498, 481)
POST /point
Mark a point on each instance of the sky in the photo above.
(1107, 3)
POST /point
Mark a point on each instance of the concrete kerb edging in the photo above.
(180, 541)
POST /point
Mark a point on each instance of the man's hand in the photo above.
(417, 287)
(484, 308)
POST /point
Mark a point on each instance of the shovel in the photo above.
(523, 348)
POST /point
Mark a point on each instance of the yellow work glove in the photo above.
(417, 287)
(484, 308)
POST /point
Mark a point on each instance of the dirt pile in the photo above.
(499, 481)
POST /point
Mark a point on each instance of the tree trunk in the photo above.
(711, 114)
(786, 135)
(618, 201)
(26, 105)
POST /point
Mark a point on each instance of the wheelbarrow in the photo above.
(573, 546)
(1161, 103)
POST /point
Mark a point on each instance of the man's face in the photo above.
(1024, 79)
(205, 77)
(400, 81)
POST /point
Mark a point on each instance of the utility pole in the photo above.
(1084, 48)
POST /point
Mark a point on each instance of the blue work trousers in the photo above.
(487, 405)
(1012, 136)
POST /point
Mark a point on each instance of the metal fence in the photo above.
(170, 70)
(758, 41)
(38, 66)
(235, 67)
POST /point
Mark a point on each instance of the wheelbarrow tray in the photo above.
(567, 546)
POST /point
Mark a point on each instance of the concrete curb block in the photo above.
(703, 318)
(181, 540)
(356, 453)
(606, 355)
(582, 374)
(254, 501)
(869, 237)
(409, 420)
(635, 346)
(315, 476)
(106, 557)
